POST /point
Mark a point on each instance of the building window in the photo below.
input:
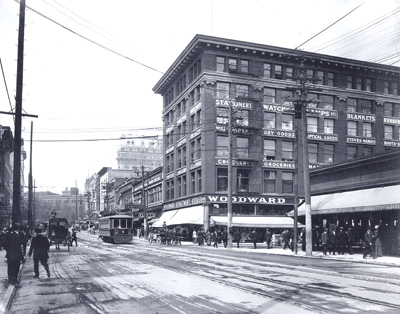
(366, 106)
(289, 74)
(287, 182)
(269, 181)
(222, 90)
(328, 153)
(242, 91)
(198, 118)
(287, 122)
(287, 151)
(367, 129)
(222, 116)
(312, 124)
(351, 152)
(327, 102)
(267, 70)
(389, 130)
(192, 151)
(184, 185)
(242, 147)
(221, 64)
(349, 81)
(242, 180)
(269, 120)
(193, 182)
(180, 163)
(351, 105)
(222, 146)
(244, 66)
(386, 87)
(320, 77)
(242, 118)
(222, 179)
(388, 109)
(269, 95)
(367, 151)
(198, 148)
(394, 88)
(368, 85)
(352, 128)
(330, 79)
(312, 100)
(199, 186)
(358, 83)
(184, 155)
(278, 72)
(233, 64)
(312, 153)
(329, 126)
(269, 149)
(179, 187)
(193, 122)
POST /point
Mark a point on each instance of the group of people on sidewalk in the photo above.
(15, 241)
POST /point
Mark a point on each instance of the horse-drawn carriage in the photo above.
(58, 232)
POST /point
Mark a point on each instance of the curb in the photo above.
(5, 303)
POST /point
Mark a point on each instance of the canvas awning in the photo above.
(256, 221)
(382, 198)
(189, 215)
(166, 216)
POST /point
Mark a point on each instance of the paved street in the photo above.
(98, 277)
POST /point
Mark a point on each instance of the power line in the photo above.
(92, 41)
(329, 26)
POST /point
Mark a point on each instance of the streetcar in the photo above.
(116, 228)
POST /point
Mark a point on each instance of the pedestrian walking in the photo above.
(324, 240)
(350, 240)
(332, 242)
(200, 237)
(40, 249)
(194, 236)
(208, 237)
(215, 238)
(237, 236)
(14, 248)
(286, 239)
(74, 238)
(303, 239)
(341, 241)
(377, 243)
(268, 238)
(254, 238)
(368, 244)
(225, 237)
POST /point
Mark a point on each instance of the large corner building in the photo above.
(353, 111)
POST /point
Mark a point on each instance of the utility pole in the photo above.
(230, 211)
(300, 104)
(296, 184)
(30, 220)
(76, 202)
(16, 212)
(144, 206)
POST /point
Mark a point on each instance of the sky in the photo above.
(90, 65)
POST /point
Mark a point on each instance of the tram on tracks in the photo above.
(116, 228)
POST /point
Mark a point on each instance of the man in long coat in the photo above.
(14, 248)
(40, 248)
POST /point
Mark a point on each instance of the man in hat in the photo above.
(14, 248)
(40, 248)
(368, 242)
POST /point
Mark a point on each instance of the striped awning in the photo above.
(375, 199)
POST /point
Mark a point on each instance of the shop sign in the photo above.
(361, 117)
(180, 171)
(279, 133)
(246, 199)
(170, 128)
(181, 119)
(322, 112)
(234, 104)
(278, 164)
(359, 140)
(277, 108)
(391, 121)
(195, 108)
(322, 137)
(169, 176)
(187, 202)
(168, 150)
(236, 130)
(235, 162)
(154, 180)
(391, 143)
